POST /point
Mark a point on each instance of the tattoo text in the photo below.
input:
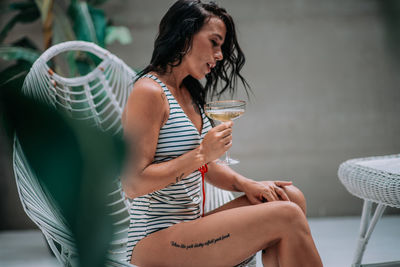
(200, 244)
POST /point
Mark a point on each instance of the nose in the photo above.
(218, 55)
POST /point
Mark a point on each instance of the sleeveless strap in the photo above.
(151, 76)
(169, 95)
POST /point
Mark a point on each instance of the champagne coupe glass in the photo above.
(222, 111)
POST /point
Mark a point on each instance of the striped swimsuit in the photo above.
(178, 202)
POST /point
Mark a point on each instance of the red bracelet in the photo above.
(203, 169)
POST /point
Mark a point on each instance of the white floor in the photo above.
(335, 239)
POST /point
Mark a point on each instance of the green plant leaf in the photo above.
(13, 76)
(18, 53)
(21, 5)
(99, 22)
(10, 24)
(76, 163)
(44, 6)
(72, 67)
(62, 27)
(86, 62)
(82, 22)
(96, 2)
(89, 22)
(25, 42)
(27, 15)
(118, 33)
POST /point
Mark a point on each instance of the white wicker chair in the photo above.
(99, 98)
(375, 180)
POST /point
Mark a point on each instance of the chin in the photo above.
(199, 76)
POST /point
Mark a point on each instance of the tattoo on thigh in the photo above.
(200, 244)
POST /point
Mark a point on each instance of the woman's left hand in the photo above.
(259, 192)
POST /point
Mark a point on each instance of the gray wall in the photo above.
(325, 88)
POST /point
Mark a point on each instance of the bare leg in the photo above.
(270, 255)
(294, 194)
(257, 226)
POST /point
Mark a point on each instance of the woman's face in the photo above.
(206, 48)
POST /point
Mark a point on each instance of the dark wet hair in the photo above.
(178, 26)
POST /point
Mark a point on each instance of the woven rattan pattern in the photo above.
(371, 184)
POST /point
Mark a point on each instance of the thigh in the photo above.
(224, 238)
(241, 201)
(294, 194)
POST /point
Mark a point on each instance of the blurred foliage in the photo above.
(62, 20)
(75, 162)
(78, 164)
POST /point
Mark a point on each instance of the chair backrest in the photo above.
(99, 98)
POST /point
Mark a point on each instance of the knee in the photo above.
(295, 195)
(292, 216)
(289, 211)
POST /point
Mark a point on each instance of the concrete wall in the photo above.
(325, 88)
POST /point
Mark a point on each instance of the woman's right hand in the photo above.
(217, 141)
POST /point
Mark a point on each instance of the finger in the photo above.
(283, 183)
(227, 139)
(226, 132)
(229, 124)
(282, 194)
(274, 194)
(225, 125)
(268, 196)
(229, 144)
(255, 200)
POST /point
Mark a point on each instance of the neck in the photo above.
(174, 76)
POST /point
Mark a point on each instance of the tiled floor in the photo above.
(336, 240)
(334, 237)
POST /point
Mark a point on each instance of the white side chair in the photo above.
(375, 180)
(98, 98)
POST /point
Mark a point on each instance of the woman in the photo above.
(164, 112)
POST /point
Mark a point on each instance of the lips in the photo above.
(210, 66)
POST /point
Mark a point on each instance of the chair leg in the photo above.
(366, 227)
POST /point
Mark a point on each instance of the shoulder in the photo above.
(147, 87)
(147, 100)
(147, 91)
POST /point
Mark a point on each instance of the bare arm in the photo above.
(257, 192)
(225, 178)
(144, 115)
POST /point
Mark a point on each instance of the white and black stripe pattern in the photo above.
(178, 202)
